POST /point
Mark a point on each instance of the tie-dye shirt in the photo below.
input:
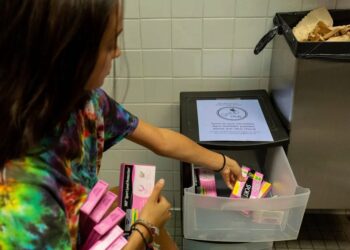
(40, 194)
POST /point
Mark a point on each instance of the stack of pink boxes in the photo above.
(253, 187)
(101, 231)
(97, 231)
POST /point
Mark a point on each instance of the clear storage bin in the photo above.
(224, 219)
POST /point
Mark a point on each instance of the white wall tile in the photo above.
(187, 63)
(184, 85)
(162, 163)
(167, 176)
(130, 90)
(343, 4)
(159, 115)
(330, 4)
(313, 4)
(245, 83)
(248, 32)
(219, 8)
(187, 8)
(218, 33)
(156, 33)
(264, 83)
(111, 160)
(175, 116)
(127, 145)
(131, 35)
(155, 8)
(310, 4)
(217, 62)
(269, 26)
(135, 156)
(157, 63)
(177, 181)
(246, 64)
(251, 8)
(111, 177)
(267, 55)
(132, 9)
(187, 33)
(216, 84)
(284, 6)
(158, 90)
(129, 64)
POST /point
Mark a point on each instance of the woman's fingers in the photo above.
(156, 190)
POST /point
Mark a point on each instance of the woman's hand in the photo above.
(156, 210)
(231, 172)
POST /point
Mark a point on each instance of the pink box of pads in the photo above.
(118, 244)
(265, 189)
(102, 207)
(249, 188)
(108, 239)
(103, 227)
(94, 197)
(206, 182)
(97, 214)
(135, 186)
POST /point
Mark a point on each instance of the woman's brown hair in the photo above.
(48, 50)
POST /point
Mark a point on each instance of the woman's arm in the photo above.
(169, 143)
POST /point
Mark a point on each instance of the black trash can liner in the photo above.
(283, 25)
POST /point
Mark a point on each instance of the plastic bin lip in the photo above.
(325, 50)
(305, 192)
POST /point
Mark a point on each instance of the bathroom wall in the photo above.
(171, 46)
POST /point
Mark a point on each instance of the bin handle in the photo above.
(266, 39)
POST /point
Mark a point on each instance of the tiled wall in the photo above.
(171, 46)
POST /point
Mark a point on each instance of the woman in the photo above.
(56, 122)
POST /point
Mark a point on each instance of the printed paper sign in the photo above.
(232, 120)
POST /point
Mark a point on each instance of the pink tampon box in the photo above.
(94, 197)
(249, 188)
(102, 207)
(103, 227)
(118, 244)
(207, 182)
(108, 239)
(136, 184)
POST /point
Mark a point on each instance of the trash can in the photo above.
(218, 222)
(310, 87)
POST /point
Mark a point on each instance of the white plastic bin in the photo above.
(278, 218)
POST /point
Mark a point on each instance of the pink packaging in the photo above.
(97, 214)
(96, 193)
(103, 227)
(108, 239)
(249, 188)
(207, 182)
(102, 207)
(265, 189)
(135, 186)
(118, 244)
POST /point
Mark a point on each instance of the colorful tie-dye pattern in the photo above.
(40, 194)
